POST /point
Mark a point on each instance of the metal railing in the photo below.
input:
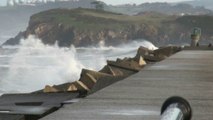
(176, 108)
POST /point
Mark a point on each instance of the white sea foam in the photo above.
(35, 65)
(28, 72)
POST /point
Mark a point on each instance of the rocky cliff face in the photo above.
(83, 27)
(50, 34)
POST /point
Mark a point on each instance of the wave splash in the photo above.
(35, 65)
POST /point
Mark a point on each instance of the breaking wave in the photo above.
(35, 65)
(32, 65)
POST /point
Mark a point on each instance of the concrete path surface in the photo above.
(188, 74)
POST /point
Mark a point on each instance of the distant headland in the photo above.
(34, 2)
(82, 27)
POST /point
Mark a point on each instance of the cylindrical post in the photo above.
(176, 108)
(195, 37)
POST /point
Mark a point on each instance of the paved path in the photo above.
(188, 74)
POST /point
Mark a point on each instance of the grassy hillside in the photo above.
(97, 20)
(161, 7)
(203, 22)
(83, 27)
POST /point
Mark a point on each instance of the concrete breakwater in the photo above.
(92, 81)
(38, 104)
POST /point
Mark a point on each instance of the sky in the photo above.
(117, 2)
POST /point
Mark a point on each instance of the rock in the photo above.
(109, 70)
(143, 51)
(140, 60)
(157, 55)
(49, 89)
(128, 64)
(166, 51)
(72, 88)
(16, 40)
(89, 78)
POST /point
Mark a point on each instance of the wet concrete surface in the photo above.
(188, 74)
(31, 106)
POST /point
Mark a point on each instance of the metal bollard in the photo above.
(176, 108)
(195, 37)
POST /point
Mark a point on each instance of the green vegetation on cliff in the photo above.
(204, 22)
(88, 19)
(83, 27)
(88, 26)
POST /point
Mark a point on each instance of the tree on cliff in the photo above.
(98, 5)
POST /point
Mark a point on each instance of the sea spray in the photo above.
(32, 65)
(36, 65)
(134, 44)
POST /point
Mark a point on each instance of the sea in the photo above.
(31, 65)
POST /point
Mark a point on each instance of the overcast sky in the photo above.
(116, 2)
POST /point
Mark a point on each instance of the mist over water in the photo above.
(32, 65)
(35, 65)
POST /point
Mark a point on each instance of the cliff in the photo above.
(161, 7)
(83, 27)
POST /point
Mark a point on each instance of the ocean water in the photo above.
(32, 65)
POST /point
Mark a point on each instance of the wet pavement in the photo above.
(188, 74)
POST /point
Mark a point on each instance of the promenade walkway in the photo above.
(188, 74)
